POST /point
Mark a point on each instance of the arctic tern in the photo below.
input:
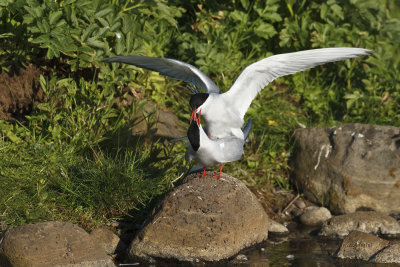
(209, 152)
(223, 114)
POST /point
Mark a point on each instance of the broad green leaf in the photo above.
(54, 17)
(337, 10)
(61, 23)
(265, 30)
(41, 39)
(103, 22)
(273, 17)
(88, 31)
(103, 12)
(85, 49)
(37, 12)
(52, 51)
(115, 26)
(245, 3)
(96, 43)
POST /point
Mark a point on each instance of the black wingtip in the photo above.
(367, 52)
(109, 60)
(246, 129)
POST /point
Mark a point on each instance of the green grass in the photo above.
(47, 182)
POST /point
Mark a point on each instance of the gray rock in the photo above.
(364, 221)
(164, 123)
(203, 219)
(109, 241)
(277, 229)
(51, 244)
(390, 254)
(315, 216)
(349, 167)
(300, 204)
(361, 246)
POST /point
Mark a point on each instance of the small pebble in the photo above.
(315, 216)
(277, 228)
(297, 212)
(290, 257)
(300, 204)
(241, 257)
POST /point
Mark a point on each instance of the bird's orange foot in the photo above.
(217, 175)
(203, 174)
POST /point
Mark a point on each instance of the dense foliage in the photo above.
(79, 132)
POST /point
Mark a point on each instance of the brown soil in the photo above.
(18, 91)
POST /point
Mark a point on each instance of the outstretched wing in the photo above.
(172, 68)
(259, 74)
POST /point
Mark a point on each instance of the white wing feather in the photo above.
(172, 68)
(259, 74)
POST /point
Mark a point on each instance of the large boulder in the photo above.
(203, 219)
(363, 221)
(350, 167)
(51, 244)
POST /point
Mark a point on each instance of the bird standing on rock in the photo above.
(209, 152)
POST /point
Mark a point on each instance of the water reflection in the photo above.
(305, 252)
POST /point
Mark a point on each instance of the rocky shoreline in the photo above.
(208, 220)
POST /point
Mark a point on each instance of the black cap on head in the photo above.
(197, 100)
(193, 135)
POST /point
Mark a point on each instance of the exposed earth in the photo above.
(19, 90)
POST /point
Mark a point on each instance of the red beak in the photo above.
(198, 120)
(193, 116)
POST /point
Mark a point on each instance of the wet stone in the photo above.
(390, 254)
(364, 221)
(276, 229)
(241, 258)
(314, 216)
(361, 246)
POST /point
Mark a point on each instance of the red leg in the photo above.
(204, 172)
(219, 174)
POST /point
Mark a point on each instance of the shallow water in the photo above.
(310, 251)
(295, 252)
(303, 248)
